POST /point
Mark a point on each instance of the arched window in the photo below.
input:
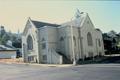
(99, 42)
(29, 43)
(62, 44)
(43, 45)
(74, 39)
(43, 39)
(89, 39)
(61, 39)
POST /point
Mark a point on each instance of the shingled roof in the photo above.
(39, 24)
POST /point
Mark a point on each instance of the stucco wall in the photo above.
(89, 27)
(49, 36)
(66, 45)
(54, 57)
(62, 44)
(99, 48)
(30, 30)
(52, 34)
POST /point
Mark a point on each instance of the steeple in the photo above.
(77, 14)
(18, 31)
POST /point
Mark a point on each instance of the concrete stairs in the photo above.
(65, 59)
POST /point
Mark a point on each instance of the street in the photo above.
(81, 72)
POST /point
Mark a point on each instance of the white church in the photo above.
(69, 42)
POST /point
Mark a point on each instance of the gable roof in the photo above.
(77, 21)
(39, 24)
(6, 47)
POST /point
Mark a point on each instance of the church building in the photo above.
(69, 42)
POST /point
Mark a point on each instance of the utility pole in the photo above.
(79, 30)
(72, 42)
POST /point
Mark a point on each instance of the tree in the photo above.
(4, 39)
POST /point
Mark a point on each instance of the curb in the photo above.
(41, 65)
(49, 65)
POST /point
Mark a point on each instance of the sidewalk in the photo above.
(19, 61)
(50, 65)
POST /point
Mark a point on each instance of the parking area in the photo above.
(80, 72)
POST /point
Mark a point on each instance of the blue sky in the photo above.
(14, 13)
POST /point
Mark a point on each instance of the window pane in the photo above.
(44, 57)
(43, 45)
(89, 39)
(29, 43)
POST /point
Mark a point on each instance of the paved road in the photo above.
(83, 72)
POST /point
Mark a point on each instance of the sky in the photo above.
(14, 14)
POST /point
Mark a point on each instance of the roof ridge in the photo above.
(43, 22)
(39, 24)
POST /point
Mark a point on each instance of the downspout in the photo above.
(81, 44)
(39, 46)
(72, 44)
(47, 44)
